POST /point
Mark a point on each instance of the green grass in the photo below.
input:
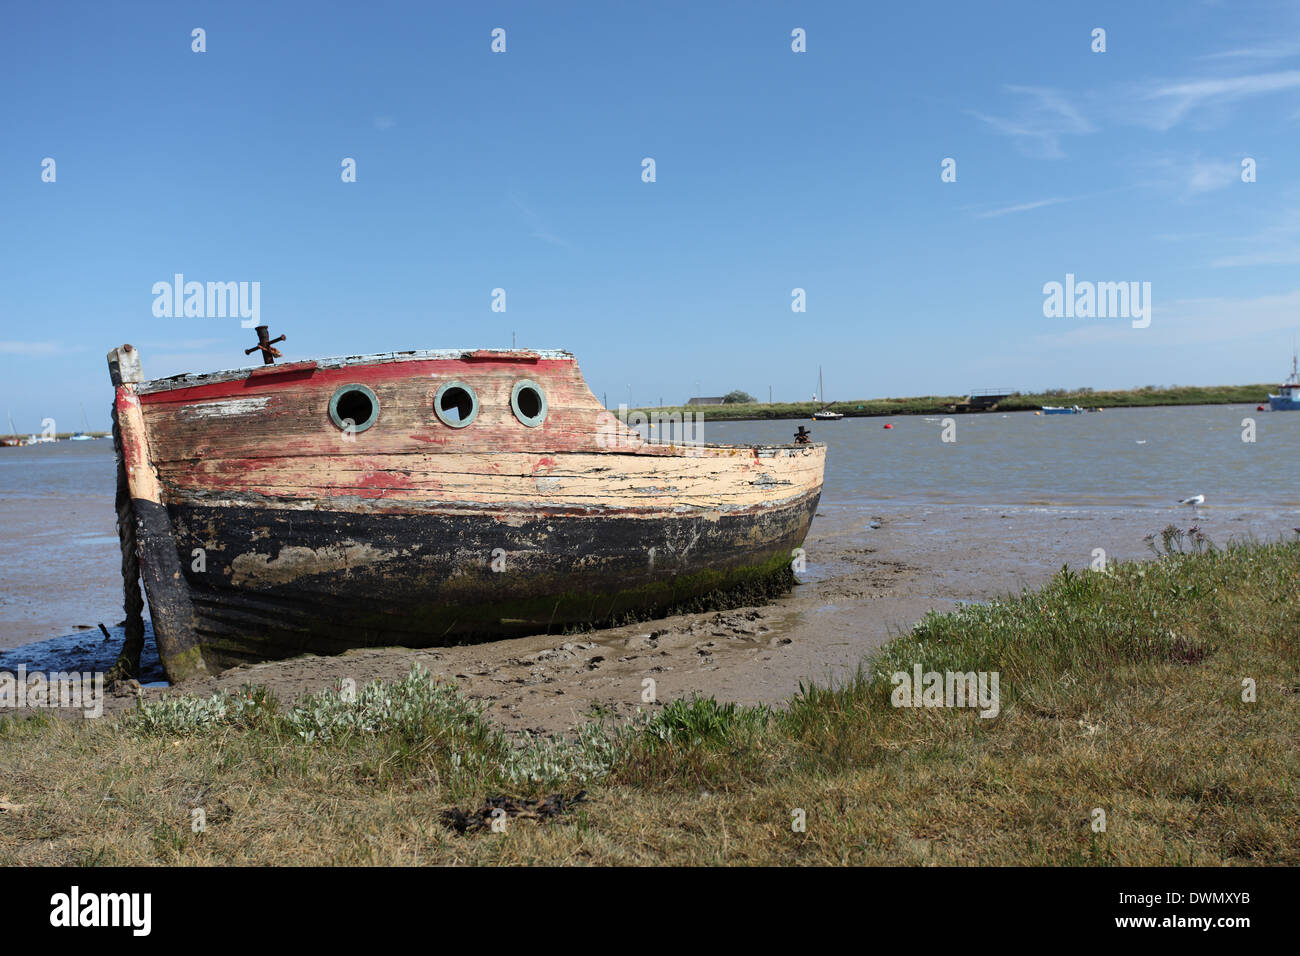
(1121, 692)
(942, 404)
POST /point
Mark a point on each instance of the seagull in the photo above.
(1193, 500)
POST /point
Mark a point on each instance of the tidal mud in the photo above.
(871, 575)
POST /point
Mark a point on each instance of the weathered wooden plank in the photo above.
(518, 356)
(610, 481)
(160, 569)
(290, 416)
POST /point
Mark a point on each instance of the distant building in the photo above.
(707, 401)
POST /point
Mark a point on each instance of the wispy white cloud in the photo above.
(1276, 244)
(30, 349)
(537, 228)
(1277, 50)
(552, 239)
(1168, 104)
(384, 122)
(1182, 322)
(1040, 122)
(1204, 176)
(1275, 257)
(1193, 175)
(1020, 207)
(184, 344)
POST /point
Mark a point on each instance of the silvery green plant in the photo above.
(415, 707)
(173, 716)
(587, 758)
(381, 707)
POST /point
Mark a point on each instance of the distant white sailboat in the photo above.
(823, 414)
(13, 441)
(81, 435)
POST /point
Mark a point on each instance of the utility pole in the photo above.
(769, 395)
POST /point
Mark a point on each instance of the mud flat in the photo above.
(870, 576)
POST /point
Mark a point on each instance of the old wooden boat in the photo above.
(417, 498)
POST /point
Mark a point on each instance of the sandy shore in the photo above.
(870, 576)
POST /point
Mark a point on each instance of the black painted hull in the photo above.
(274, 583)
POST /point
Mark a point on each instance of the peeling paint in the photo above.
(293, 563)
(227, 407)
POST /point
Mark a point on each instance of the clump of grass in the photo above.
(703, 722)
(697, 742)
(413, 725)
(409, 708)
(187, 716)
(553, 761)
(1081, 623)
(1176, 541)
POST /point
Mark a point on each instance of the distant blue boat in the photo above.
(1059, 410)
(1288, 397)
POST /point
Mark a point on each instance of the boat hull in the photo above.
(1281, 403)
(265, 530)
(276, 583)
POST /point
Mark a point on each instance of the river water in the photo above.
(1122, 470)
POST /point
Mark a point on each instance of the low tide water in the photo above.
(1119, 458)
(60, 565)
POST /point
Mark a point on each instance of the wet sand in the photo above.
(60, 562)
(870, 576)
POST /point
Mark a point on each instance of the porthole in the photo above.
(354, 408)
(528, 402)
(455, 404)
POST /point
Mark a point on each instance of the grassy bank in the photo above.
(1120, 691)
(942, 404)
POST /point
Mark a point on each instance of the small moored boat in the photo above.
(1287, 398)
(1062, 410)
(416, 498)
(824, 414)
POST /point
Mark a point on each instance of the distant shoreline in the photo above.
(946, 404)
(60, 436)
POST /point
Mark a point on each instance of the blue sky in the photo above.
(775, 170)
